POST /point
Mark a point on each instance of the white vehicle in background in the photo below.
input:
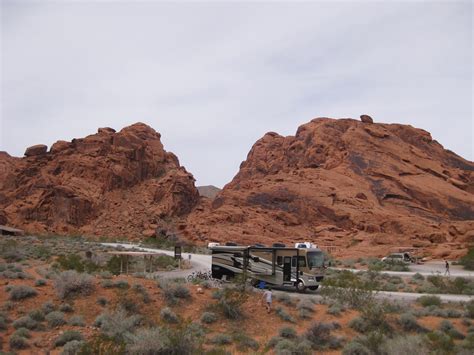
(404, 258)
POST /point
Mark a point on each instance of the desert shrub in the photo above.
(113, 265)
(319, 335)
(117, 325)
(18, 342)
(217, 294)
(305, 304)
(147, 342)
(181, 339)
(40, 282)
(468, 260)
(288, 332)
(402, 345)
(453, 313)
(230, 304)
(208, 317)
(244, 342)
(372, 318)
(467, 345)
(55, 319)
(75, 262)
(173, 292)
(355, 348)
(67, 336)
(70, 283)
(107, 284)
(284, 315)
(168, 315)
(447, 327)
(25, 322)
(335, 309)
(141, 290)
(66, 307)
(8, 305)
(469, 307)
(221, 339)
(348, 288)
(426, 301)
(37, 315)
(102, 301)
(48, 307)
(73, 347)
(22, 332)
(418, 277)
(77, 321)
(285, 346)
(121, 284)
(373, 341)
(21, 292)
(274, 341)
(105, 274)
(440, 342)
(409, 323)
(3, 323)
(304, 313)
(284, 298)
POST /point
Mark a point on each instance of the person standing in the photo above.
(267, 295)
(446, 272)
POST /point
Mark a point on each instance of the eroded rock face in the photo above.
(39, 149)
(361, 189)
(104, 184)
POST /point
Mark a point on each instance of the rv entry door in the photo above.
(287, 269)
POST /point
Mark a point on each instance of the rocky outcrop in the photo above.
(39, 149)
(341, 183)
(110, 184)
(208, 191)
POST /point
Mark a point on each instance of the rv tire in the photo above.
(313, 288)
(300, 287)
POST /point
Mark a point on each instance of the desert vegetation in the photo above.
(59, 306)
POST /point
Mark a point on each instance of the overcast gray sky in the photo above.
(213, 77)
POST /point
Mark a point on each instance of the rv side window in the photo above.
(279, 260)
(293, 261)
(301, 261)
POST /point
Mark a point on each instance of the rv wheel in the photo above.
(300, 287)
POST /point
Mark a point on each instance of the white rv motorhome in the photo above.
(280, 266)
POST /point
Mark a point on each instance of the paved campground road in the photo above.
(201, 262)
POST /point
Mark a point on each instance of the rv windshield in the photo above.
(315, 258)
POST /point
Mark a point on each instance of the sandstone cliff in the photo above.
(360, 187)
(112, 184)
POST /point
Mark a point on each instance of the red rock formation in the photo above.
(364, 189)
(111, 184)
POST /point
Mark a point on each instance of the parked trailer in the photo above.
(279, 266)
